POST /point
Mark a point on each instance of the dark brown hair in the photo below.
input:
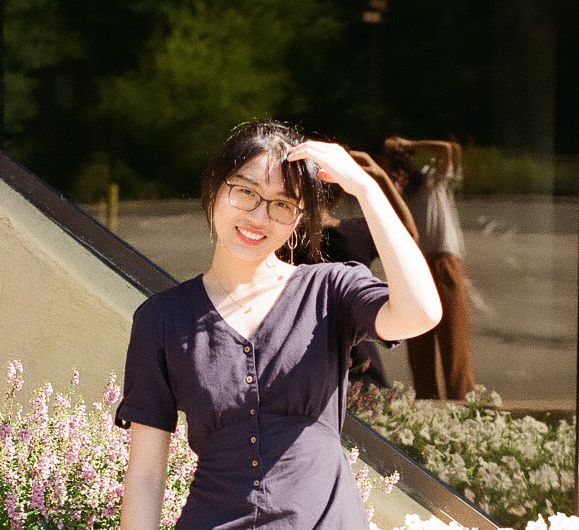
(300, 178)
(403, 160)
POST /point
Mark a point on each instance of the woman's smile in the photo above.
(250, 236)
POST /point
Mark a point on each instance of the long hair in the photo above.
(300, 178)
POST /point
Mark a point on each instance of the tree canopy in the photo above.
(141, 92)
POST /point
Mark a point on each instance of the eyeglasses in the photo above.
(283, 212)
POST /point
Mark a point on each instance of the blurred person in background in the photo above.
(429, 194)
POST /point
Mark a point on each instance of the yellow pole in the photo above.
(113, 208)
(102, 211)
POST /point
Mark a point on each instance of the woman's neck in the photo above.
(232, 272)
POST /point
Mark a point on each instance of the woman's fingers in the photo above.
(325, 176)
(335, 164)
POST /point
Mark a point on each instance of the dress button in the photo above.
(253, 412)
(255, 463)
(256, 483)
(247, 349)
(249, 379)
(253, 439)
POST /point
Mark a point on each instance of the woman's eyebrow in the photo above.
(247, 180)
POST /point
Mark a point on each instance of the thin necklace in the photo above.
(246, 309)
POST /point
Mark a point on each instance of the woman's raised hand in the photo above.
(334, 163)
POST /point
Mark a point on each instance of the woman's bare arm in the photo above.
(414, 306)
(145, 478)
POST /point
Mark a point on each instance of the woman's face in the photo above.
(252, 235)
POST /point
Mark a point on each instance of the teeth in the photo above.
(250, 235)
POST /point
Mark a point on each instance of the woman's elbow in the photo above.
(395, 326)
(433, 315)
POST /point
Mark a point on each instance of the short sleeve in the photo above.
(360, 297)
(147, 396)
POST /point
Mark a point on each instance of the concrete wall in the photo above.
(61, 308)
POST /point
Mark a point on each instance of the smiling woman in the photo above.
(255, 351)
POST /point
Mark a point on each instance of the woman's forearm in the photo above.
(145, 478)
(142, 503)
(414, 305)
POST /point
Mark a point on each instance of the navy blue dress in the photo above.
(264, 414)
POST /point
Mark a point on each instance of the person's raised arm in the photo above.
(414, 306)
(440, 150)
(457, 161)
(145, 478)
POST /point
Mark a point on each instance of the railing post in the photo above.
(113, 208)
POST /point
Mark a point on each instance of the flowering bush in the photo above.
(365, 484)
(558, 521)
(514, 469)
(62, 463)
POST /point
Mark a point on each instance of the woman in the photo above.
(429, 194)
(255, 350)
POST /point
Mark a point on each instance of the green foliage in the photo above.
(492, 170)
(152, 88)
(214, 67)
(37, 45)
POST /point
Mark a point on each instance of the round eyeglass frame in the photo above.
(268, 202)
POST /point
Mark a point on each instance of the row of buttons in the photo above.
(253, 439)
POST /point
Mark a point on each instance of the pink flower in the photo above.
(14, 378)
(11, 504)
(111, 392)
(37, 500)
(353, 456)
(11, 373)
(24, 435)
(62, 402)
(14, 368)
(390, 482)
(47, 390)
(364, 491)
(5, 431)
(362, 474)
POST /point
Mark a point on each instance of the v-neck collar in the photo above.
(211, 306)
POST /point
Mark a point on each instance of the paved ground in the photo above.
(521, 261)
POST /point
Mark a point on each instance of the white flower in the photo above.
(511, 463)
(567, 479)
(412, 519)
(519, 510)
(469, 494)
(406, 437)
(545, 477)
(561, 522)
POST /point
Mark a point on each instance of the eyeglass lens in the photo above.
(246, 199)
